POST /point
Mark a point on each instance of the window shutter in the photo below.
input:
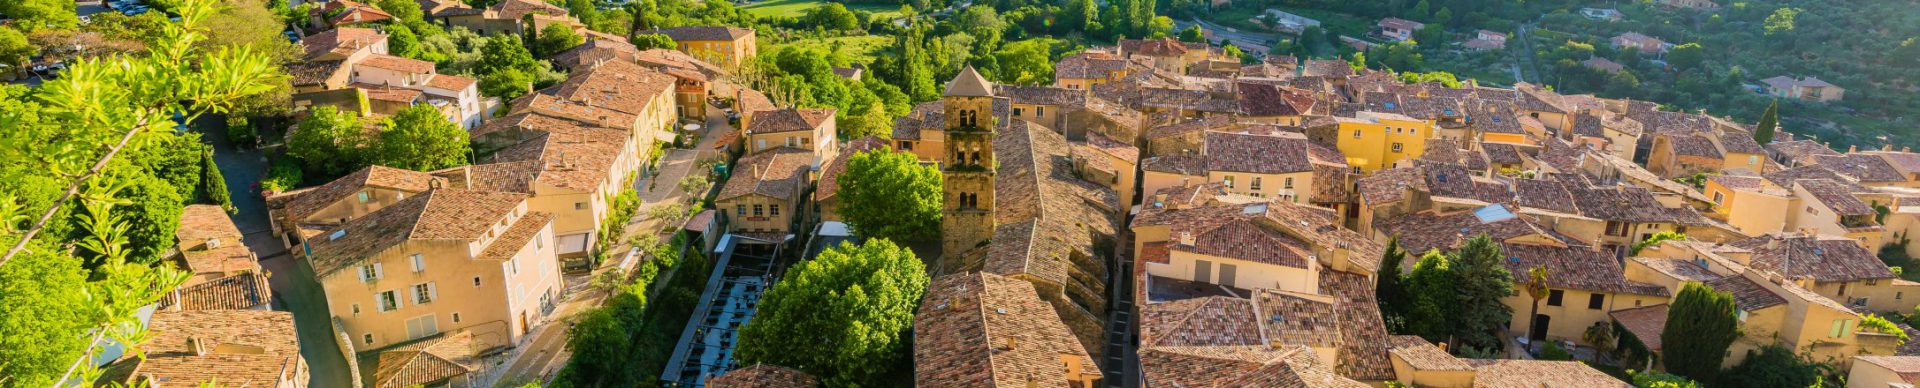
(379, 272)
(433, 293)
(362, 273)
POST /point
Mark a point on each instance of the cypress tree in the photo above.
(214, 186)
(1482, 281)
(1769, 122)
(1391, 293)
(1701, 323)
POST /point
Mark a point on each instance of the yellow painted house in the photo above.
(724, 46)
(1375, 140)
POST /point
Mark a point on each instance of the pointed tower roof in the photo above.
(969, 84)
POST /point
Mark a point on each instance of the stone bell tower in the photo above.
(967, 167)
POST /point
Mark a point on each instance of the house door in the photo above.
(524, 327)
(1540, 324)
(1226, 274)
(1202, 271)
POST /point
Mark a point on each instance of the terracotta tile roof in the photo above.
(979, 329)
(1186, 127)
(1747, 294)
(1535, 374)
(595, 51)
(704, 33)
(1427, 230)
(342, 41)
(789, 120)
(1544, 194)
(1208, 321)
(1785, 178)
(227, 259)
(1239, 366)
(1800, 150)
(389, 62)
(1836, 196)
(239, 292)
(1035, 179)
(1734, 142)
(450, 82)
(572, 110)
(829, 184)
(764, 376)
(1645, 322)
(1906, 162)
(1399, 23)
(1259, 99)
(1622, 203)
(1391, 185)
(1678, 269)
(1332, 183)
(580, 162)
(1041, 95)
(1115, 148)
(1578, 268)
(515, 9)
(317, 198)
(1502, 153)
(428, 361)
(516, 236)
(388, 93)
(441, 214)
(1281, 152)
(199, 223)
(929, 115)
(352, 13)
(969, 83)
(1088, 65)
(676, 59)
(1424, 356)
(314, 72)
(1692, 145)
(1163, 47)
(1862, 167)
(618, 85)
(779, 173)
(245, 348)
(1818, 258)
(1906, 366)
(1364, 339)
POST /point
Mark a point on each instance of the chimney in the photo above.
(198, 346)
(1886, 147)
(1906, 149)
(1443, 346)
(1853, 148)
(1012, 343)
(1186, 238)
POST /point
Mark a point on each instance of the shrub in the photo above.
(1553, 352)
(284, 175)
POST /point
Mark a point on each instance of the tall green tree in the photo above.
(1391, 290)
(1193, 34)
(1537, 289)
(555, 39)
(1687, 56)
(1763, 132)
(1701, 323)
(1435, 298)
(1482, 280)
(652, 41)
(889, 194)
(1026, 62)
(842, 316)
(32, 15)
(45, 313)
(214, 188)
(15, 50)
(419, 138)
(331, 141)
(402, 42)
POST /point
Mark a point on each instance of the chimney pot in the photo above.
(198, 346)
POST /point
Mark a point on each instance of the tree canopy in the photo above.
(1701, 323)
(889, 194)
(842, 316)
(420, 138)
(1482, 281)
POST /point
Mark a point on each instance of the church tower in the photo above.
(967, 166)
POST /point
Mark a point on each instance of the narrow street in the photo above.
(294, 287)
(540, 358)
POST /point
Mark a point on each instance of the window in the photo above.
(371, 272)
(773, 210)
(1843, 289)
(456, 317)
(757, 210)
(1356, 134)
(419, 262)
(1016, 111)
(1553, 297)
(1229, 181)
(356, 309)
(362, 196)
(1753, 160)
(387, 301)
(1397, 147)
(422, 326)
(1039, 111)
(513, 265)
(424, 293)
(806, 141)
(1413, 131)
(1839, 328)
(1255, 185)
(1596, 301)
(1286, 183)
(740, 210)
(1617, 229)
(579, 206)
(1719, 198)
(476, 281)
(368, 338)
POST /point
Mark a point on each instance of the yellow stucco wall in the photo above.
(1270, 185)
(507, 291)
(1370, 144)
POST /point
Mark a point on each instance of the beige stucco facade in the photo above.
(759, 213)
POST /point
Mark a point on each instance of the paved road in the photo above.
(294, 288)
(1252, 42)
